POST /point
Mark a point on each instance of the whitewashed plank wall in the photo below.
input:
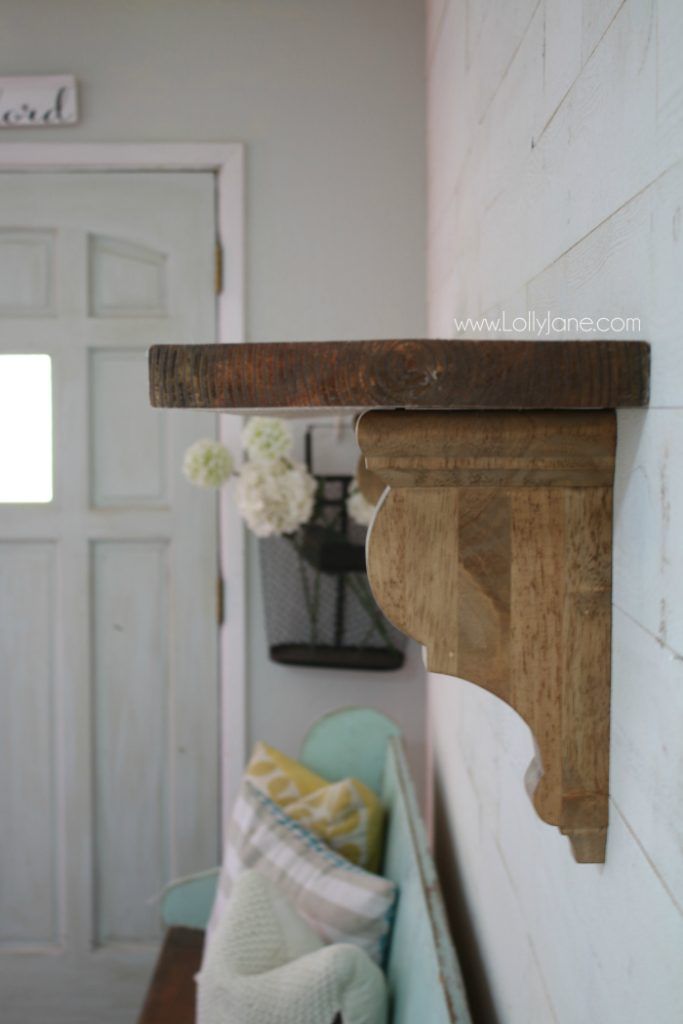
(555, 136)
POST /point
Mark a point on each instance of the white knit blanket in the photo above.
(264, 965)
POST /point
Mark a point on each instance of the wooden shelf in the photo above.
(401, 375)
(492, 543)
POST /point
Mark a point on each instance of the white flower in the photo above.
(358, 506)
(265, 437)
(207, 463)
(275, 496)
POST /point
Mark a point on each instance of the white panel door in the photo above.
(108, 634)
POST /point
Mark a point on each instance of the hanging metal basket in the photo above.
(319, 607)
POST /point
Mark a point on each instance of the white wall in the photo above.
(556, 182)
(329, 98)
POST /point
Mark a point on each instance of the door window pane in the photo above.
(25, 428)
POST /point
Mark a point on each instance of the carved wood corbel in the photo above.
(492, 548)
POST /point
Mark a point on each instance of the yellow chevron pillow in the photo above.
(346, 815)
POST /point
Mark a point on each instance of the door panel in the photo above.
(131, 641)
(108, 637)
(26, 272)
(28, 796)
(129, 449)
(126, 279)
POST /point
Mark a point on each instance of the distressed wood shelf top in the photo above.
(401, 374)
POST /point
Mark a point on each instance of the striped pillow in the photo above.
(340, 901)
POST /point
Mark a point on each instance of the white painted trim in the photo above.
(226, 161)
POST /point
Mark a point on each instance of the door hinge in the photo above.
(218, 268)
(220, 600)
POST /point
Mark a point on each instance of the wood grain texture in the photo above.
(509, 586)
(370, 485)
(171, 994)
(493, 449)
(410, 374)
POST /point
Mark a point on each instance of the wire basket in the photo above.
(318, 603)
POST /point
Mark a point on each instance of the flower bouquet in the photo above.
(311, 530)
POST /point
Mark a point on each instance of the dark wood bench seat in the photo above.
(171, 994)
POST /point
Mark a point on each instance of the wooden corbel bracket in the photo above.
(492, 544)
(493, 548)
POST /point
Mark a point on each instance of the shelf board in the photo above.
(402, 374)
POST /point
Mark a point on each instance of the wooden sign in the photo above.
(40, 101)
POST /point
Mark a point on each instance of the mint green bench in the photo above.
(424, 978)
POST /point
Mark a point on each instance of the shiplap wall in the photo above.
(555, 136)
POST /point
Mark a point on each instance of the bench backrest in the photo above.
(425, 983)
(424, 978)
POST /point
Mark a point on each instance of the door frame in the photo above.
(226, 162)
